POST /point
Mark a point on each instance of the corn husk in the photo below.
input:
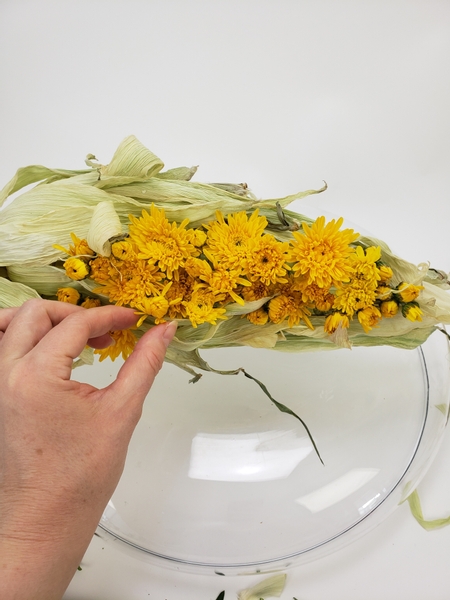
(14, 294)
(267, 588)
(95, 203)
(416, 510)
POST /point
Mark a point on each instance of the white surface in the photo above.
(281, 95)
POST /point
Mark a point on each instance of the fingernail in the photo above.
(169, 332)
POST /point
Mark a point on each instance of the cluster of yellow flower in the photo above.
(166, 271)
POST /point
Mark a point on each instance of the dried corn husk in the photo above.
(14, 294)
(268, 588)
(95, 203)
(104, 226)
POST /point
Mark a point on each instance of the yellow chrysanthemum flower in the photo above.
(321, 252)
(412, 311)
(124, 250)
(220, 281)
(231, 242)
(268, 261)
(196, 267)
(357, 295)
(388, 309)
(100, 269)
(384, 292)
(408, 292)
(321, 298)
(200, 308)
(79, 248)
(386, 273)
(68, 294)
(363, 263)
(289, 307)
(336, 320)
(155, 306)
(256, 291)
(369, 317)
(160, 242)
(180, 291)
(91, 303)
(124, 343)
(129, 282)
(76, 268)
(258, 317)
(199, 237)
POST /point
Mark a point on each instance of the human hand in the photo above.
(62, 443)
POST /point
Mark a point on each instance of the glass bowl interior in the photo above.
(217, 479)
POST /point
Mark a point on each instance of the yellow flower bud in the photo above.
(389, 309)
(409, 292)
(412, 311)
(199, 238)
(68, 294)
(369, 317)
(385, 273)
(258, 317)
(279, 308)
(91, 303)
(384, 292)
(123, 250)
(333, 321)
(76, 269)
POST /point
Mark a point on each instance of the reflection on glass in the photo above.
(259, 456)
(368, 506)
(337, 490)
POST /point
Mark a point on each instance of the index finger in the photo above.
(68, 338)
(24, 326)
(6, 316)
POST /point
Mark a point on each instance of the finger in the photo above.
(101, 342)
(66, 341)
(137, 374)
(31, 322)
(6, 316)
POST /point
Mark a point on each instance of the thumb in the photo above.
(137, 374)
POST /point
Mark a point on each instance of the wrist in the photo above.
(41, 546)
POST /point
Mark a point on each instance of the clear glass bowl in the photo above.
(217, 480)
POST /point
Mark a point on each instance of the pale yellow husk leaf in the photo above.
(104, 226)
(268, 588)
(14, 294)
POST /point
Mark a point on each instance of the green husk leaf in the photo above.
(285, 409)
(416, 511)
(443, 408)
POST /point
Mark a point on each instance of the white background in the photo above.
(281, 95)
